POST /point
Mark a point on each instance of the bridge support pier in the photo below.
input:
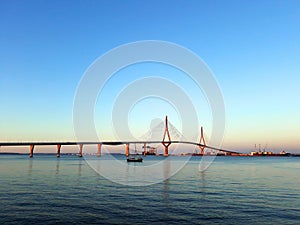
(127, 150)
(80, 150)
(99, 150)
(58, 151)
(202, 150)
(166, 153)
(145, 148)
(31, 151)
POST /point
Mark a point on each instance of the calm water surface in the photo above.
(234, 190)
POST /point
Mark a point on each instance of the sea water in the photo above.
(233, 190)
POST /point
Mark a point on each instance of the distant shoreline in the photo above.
(194, 155)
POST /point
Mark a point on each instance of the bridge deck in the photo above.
(110, 143)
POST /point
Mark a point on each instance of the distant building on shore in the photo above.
(268, 153)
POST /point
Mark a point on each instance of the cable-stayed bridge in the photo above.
(166, 142)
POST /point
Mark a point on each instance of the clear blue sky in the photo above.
(252, 47)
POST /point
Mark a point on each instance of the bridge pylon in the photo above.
(99, 150)
(80, 150)
(31, 151)
(127, 150)
(202, 142)
(58, 150)
(166, 143)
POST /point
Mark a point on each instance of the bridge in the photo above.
(166, 142)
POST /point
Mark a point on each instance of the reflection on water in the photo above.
(233, 190)
(80, 168)
(57, 166)
(153, 169)
(167, 174)
(203, 184)
(202, 175)
(30, 164)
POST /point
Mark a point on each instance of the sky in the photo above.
(251, 47)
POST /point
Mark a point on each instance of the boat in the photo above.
(134, 158)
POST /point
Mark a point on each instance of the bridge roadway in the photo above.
(110, 143)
